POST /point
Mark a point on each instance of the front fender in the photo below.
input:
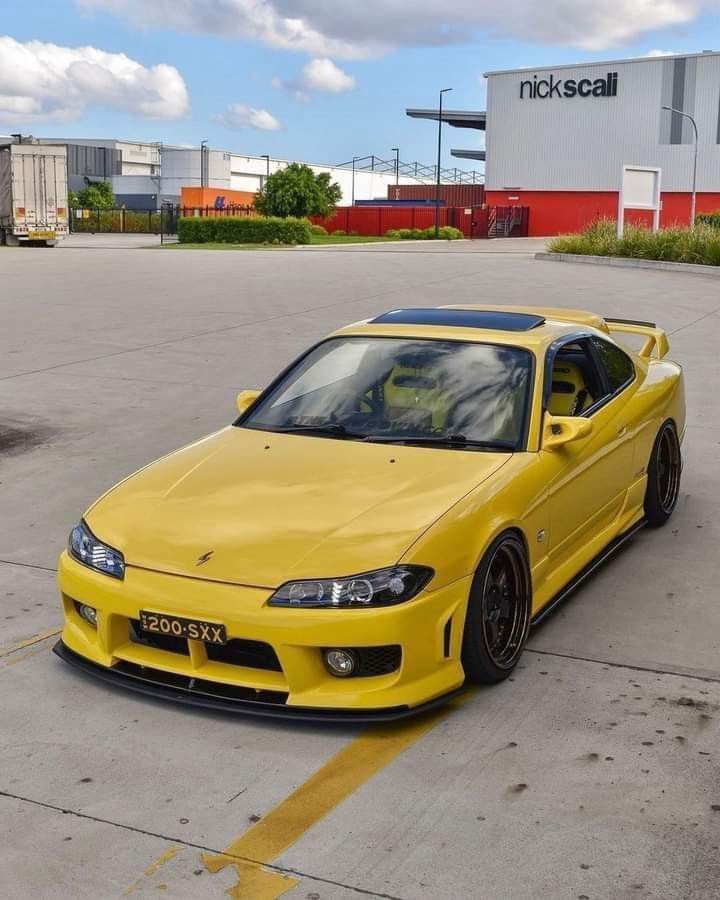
(513, 498)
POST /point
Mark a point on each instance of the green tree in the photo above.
(297, 191)
(95, 196)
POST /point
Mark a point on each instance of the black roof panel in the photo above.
(463, 318)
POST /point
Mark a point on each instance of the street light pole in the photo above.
(439, 155)
(693, 199)
(203, 164)
(397, 165)
(353, 180)
(266, 157)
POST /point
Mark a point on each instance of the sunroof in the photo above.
(463, 318)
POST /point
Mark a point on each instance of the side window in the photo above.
(576, 383)
(618, 366)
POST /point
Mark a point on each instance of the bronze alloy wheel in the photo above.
(505, 600)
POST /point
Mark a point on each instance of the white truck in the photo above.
(33, 194)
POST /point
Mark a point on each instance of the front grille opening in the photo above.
(199, 685)
(241, 652)
(158, 641)
(378, 660)
(237, 652)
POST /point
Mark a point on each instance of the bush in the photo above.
(700, 245)
(317, 229)
(392, 233)
(243, 230)
(339, 232)
(445, 233)
(712, 219)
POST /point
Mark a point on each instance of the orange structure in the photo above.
(214, 198)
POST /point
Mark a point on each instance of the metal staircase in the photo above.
(503, 220)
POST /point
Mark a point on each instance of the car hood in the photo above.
(274, 507)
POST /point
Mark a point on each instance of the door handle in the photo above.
(622, 430)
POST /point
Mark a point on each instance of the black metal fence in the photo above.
(145, 221)
(115, 221)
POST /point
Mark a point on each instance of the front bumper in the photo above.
(428, 631)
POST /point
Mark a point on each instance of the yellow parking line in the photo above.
(153, 868)
(312, 801)
(43, 635)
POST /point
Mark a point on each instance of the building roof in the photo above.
(598, 62)
(456, 117)
(469, 154)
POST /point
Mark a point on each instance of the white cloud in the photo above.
(45, 82)
(328, 28)
(240, 116)
(324, 75)
(319, 74)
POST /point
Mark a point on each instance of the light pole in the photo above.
(266, 157)
(437, 186)
(396, 151)
(694, 180)
(355, 158)
(203, 164)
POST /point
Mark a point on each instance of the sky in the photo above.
(315, 80)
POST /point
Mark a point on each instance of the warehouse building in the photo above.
(146, 175)
(557, 138)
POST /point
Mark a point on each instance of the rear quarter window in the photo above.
(617, 364)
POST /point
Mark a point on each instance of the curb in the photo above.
(626, 263)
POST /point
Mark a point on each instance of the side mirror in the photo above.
(245, 400)
(561, 430)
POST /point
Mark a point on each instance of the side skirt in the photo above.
(586, 571)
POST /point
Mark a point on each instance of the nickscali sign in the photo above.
(536, 88)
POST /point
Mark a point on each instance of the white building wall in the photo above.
(248, 174)
(575, 143)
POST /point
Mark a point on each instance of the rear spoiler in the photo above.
(655, 338)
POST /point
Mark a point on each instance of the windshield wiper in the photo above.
(326, 429)
(447, 440)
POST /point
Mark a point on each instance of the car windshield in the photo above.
(382, 389)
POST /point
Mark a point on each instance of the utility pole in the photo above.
(397, 165)
(694, 177)
(439, 156)
(204, 173)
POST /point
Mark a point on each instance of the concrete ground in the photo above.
(592, 773)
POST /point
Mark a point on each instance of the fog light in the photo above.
(88, 613)
(340, 663)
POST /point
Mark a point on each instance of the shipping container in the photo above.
(468, 195)
(33, 193)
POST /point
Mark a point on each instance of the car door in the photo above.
(588, 479)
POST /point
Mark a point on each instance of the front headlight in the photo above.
(87, 549)
(384, 587)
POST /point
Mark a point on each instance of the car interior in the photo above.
(575, 382)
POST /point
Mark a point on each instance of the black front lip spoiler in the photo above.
(152, 688)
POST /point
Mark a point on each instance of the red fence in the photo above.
(376, 220)
(474, 222)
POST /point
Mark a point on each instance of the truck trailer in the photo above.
(33, 194)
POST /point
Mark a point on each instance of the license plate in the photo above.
(196, 630)
(42, 235)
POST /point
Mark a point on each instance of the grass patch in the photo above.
(699, 246)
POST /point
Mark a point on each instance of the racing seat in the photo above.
(414, 398)
(570, 394)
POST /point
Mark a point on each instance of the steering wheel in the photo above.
(368, 401)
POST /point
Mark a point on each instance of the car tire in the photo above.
(663, 484)
(499, 608)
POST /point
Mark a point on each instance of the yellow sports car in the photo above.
(386, 520)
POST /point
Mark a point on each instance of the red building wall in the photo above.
(564, 212)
